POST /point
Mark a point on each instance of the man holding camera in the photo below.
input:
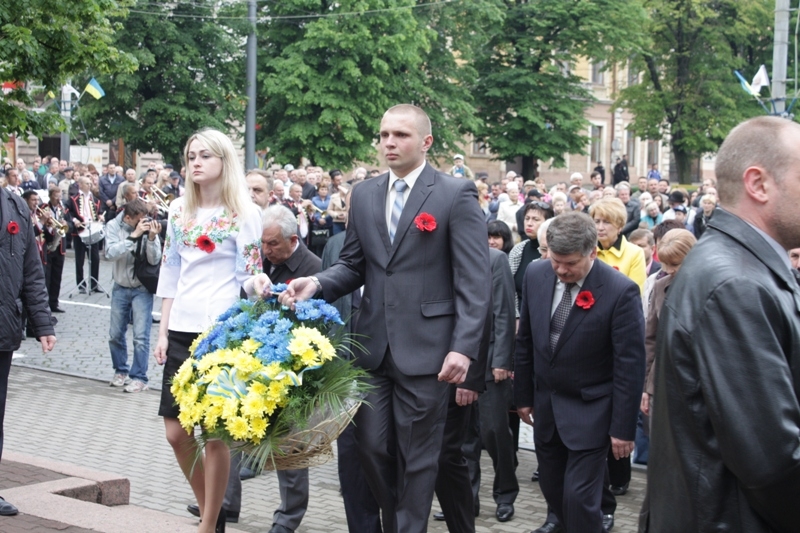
(129, 297)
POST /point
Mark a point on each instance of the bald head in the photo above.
(421, 119)
(762, 142)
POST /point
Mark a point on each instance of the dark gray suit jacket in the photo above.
(425, 294)
(300, 264)
(591, 387)
(501, 342)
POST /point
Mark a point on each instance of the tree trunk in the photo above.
(529, 166)
(683, 160)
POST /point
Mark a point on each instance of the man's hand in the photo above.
(500, 374)
(141, 228)
(455, 367)
(48, 342)
(465, 396)
(109, 203)
(526, 414)
(644, 407)
(621, 448)
(155, 230)
(299, 290)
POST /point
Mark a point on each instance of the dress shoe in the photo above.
(57, 310)
(608, 522)
(439, 517)
(6, 509)
(535, 476)
(277, 528)
(505, 512)
(245, 473)
(549, 527)
(230, 516)
(619, 491)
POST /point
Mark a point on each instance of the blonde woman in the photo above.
(212, 250)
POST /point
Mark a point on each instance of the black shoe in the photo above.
(505, 512)
(535, 476)
(6, 509)
(221, 518)
(230, 516)
(619, 491)
(439, 517)
(57, 310)
(549, 527)
(245, 474)
(277, 528)
(608, 522)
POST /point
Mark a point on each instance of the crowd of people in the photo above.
(563, 318)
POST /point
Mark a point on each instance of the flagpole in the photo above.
(66, 113)
(779, 56)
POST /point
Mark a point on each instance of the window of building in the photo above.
(596, 136)
(479, 148)
(597, 72)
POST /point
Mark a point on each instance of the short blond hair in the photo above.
(675, 245)
(610, 209)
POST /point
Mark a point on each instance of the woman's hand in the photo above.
(644, 407)
(262, 285)
(160, 353)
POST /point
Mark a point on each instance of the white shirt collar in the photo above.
(410, 178)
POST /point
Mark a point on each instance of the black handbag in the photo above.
(319, 237)
(146, 273)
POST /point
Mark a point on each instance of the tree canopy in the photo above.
(530, 102)
(688, 89)
(190, 75)
(44, 43)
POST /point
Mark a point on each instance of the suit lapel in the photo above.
(379, 195)
(548, 289)
(417, 196)
(5, 211)
(594, 285)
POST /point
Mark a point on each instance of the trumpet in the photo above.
(323, 213)
(160, 198)
(60, 227)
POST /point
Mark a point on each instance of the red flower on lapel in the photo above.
(585, 300)
(13, 228)
(425, 222)
(205, 244)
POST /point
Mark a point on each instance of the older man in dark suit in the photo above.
(416, 240)
(579, 367)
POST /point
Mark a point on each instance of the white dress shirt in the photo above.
(559, 292)
(410, 179)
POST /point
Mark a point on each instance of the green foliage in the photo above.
(326, 81)
(688, 88)
(191, 75)
(530, 104)
(44, 43)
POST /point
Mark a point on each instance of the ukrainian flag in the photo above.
(94, 89)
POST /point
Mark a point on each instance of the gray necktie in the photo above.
(397, 207)
(560, 316)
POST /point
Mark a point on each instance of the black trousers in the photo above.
(572, 483)
(80, 254)
(52, 275)
(453, 487)
(360, 506)
(5, 368)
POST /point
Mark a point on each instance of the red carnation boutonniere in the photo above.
(585, 300)
(13, 228)
(425, 222)
(205, 244)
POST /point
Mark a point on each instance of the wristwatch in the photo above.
(316, 282)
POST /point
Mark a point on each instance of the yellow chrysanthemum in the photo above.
(249, 346)
(212, 414)
(184, 374)
(237, 427)
(230, 408)
(253, 405)
(273, 369)
(275, 391)
(256, 387)
(258, 427)
(185, 419)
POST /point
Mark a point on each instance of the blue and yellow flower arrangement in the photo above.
(259, 375)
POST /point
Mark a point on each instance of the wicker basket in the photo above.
(311, 446)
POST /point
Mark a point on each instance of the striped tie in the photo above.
(397, 207)
(561, 315)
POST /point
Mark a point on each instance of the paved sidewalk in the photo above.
(87, 423)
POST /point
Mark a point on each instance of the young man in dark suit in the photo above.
(416, 240)
(579, 367)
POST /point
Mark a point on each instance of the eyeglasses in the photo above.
(543, 250)
(542, 205)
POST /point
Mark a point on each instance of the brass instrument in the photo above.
(323, 213)
(60, 227)
(160, 198)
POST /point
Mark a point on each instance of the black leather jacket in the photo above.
(22, 286)
(725, 440)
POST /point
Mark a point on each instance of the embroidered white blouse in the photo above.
(207, 260)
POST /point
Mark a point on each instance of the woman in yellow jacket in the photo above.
(613, 248)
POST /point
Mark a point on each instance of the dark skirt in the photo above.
(177, 353)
